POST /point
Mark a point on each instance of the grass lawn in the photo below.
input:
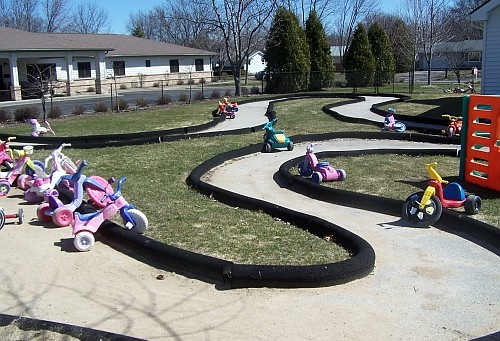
(182, 217)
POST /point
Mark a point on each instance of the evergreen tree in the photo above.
(287, 54)
(319, 53)
(383, 54)
(358, 60)
(138, 32)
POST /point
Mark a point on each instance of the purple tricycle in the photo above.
(319, 170)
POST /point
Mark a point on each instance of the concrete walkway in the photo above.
(427, 284)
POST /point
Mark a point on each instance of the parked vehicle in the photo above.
(422, 209)
(319, 171)
(274, 138)
(85, 225)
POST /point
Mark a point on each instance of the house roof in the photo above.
(459, 46)
(116, 44)
(481, 13)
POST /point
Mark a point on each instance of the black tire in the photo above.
(472, 204)
(290, 146)
(2, 219)
(316, 178)
(268, 148)
(304, 170)
(421, 218)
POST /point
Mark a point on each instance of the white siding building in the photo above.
(73, 63)
(488, 15)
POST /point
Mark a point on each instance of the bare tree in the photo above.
(21, 14)
(349, 13)
(240, 23)
(89, 18)
(55, 15)
(325, 9)
(431, 26)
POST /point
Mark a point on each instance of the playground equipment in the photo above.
(4, 216)
(38, 130)
(480, 150)
(454, 127)
(85, 225)
(274, 138)
(6, 156)
(390, 122)
(22, 164)
(423, 209)
(319, 171)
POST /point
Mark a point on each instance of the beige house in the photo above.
(66, 64)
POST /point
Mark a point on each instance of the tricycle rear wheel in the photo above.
(422, 218)
(472, 204)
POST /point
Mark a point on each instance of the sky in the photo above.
(120, 10)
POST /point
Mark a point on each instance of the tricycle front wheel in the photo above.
(425, 217)
(140, 220)
(84, 241)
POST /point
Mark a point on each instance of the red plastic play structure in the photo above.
(480, 157)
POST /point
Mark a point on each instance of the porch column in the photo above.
(15, 88)
(69, 73)
(100, 70)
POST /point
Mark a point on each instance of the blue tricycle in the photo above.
(274, 138)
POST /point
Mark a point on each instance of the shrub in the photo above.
(254, 90)
(180, 82)
(183, 97)
(90, 89)
(198, 96)
(156, 84)
(101, 107)
(227, 93)
(141, 102)
(121, 104)
(4, 116)
(55, 112)
(245, 91)
(215, 94)
(25, 113)
(123, 86)
(203, 81)
(162, 100)
(191, 81)
(79, 110)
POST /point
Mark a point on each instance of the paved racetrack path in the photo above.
(427, 284)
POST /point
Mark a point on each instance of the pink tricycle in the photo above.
(85, 225)
(6, 157)
(22, 164)
(61, 165)
(319, 170)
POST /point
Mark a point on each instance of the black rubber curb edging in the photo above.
(81, 333)
(235, 275)
(451, 221)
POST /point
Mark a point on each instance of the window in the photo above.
(148, 63)
(119, 67)
(83, 69)
(174, 65)
(474, 56)
(198, 63)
